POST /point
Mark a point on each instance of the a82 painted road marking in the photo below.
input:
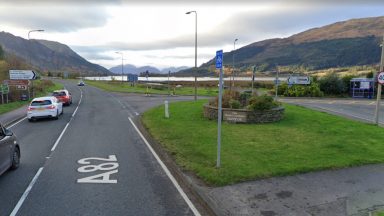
(110, 166)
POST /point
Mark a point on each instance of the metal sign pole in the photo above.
(379, 86)
(219, 65)
(253, 77)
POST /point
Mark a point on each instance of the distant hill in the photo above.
(132, 69)
(348, 43)
(48, 55)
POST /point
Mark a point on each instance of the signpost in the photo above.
(379, 83)
(219, 65)
(4, 89)
(22, 75)
(298, 80)
(253, 77)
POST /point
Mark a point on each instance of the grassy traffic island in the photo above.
(304, 140)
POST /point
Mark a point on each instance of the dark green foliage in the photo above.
(260, 103)
(312, 90)
(1, 53)
(369, 75)
(234, 104)
(347, 82)
(332, 84)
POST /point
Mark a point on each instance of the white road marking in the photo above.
(61, 135)
(17, 122)
(170, 176)
(26, 192)
(136, 113)
(66, 126)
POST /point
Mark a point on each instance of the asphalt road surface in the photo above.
(92, 161)
(358, 109)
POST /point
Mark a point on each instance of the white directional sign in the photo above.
(380, 78)
(22, 74)
(298, 80)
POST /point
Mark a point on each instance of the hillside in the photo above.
(132, 69)
(348, 43)
(48, 55)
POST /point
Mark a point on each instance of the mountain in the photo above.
(348, 43)
(48, 55)
(132, 69)
(173, 69)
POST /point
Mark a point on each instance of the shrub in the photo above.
(332, 84)
(234, 104)
(260, 103)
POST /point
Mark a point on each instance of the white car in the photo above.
(44, 107)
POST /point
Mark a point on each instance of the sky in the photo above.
(160, 33)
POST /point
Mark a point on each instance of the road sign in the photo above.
(22, 74)
(298, 80)
(16, 82)
(380, 78)
(4, 89)
(219, 59)
(21, 87)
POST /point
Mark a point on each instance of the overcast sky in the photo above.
(159, 33)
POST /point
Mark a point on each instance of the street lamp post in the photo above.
(189, 12)
(31, 93)
(233, 62)
(122, 64)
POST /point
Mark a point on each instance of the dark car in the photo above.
(9, 150)
(81, 83)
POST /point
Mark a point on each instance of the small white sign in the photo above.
(22, 75)
(380, 78)
(299, 80)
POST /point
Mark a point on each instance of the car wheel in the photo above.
(15, 159)
(57, 115)
(30, 120)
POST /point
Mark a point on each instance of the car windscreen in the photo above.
(41, 102)
(59, 94)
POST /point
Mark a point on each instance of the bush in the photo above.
(312, 90)
(234, 104)
(332, 84)
(261, 103)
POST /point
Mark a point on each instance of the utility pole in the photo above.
(379, 85)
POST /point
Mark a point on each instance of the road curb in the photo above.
(187, 182)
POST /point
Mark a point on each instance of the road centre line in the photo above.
(170, 176)
(26, 192)
(66, 126)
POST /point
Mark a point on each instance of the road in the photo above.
(359, 109)
(92, 161)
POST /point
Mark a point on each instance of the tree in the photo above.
(332, 84)
(1, 53)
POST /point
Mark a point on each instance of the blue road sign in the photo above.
(219, 59)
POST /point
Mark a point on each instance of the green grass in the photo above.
(142, 88)
(305, 140)
(14, 105)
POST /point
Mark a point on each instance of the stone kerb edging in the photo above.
(245, 116)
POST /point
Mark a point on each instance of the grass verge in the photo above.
(116, 86)
(305, 140)
(45, 90)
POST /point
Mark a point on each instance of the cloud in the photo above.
(53, 18)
